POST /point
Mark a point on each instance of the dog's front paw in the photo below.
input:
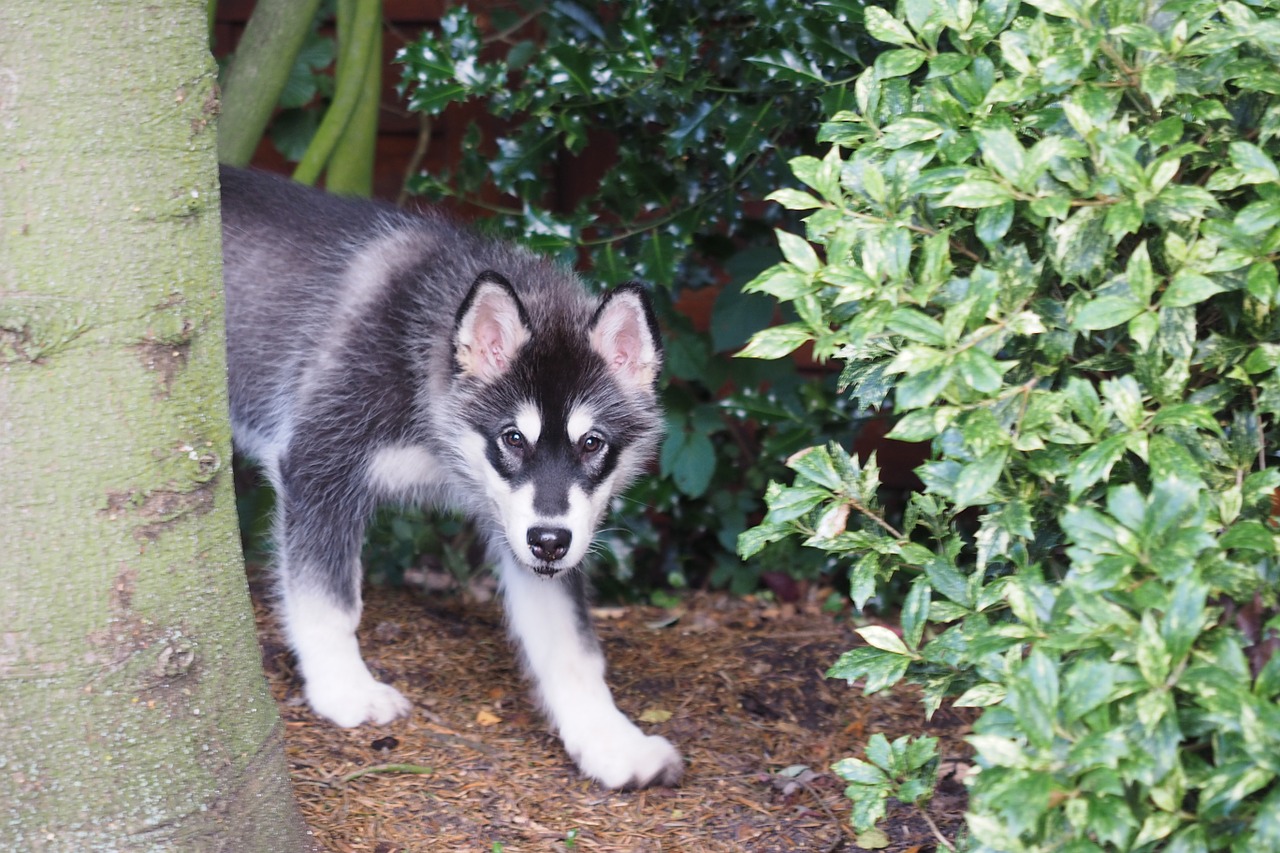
(350, 704)
(627, 758)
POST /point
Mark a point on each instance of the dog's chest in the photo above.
(404, 471)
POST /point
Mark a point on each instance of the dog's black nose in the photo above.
(549, 543)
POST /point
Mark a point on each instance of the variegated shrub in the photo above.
(1047, 238)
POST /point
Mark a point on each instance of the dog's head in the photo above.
(560, 412)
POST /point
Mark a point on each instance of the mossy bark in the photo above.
(133, 710)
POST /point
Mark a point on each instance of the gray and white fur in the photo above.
(375, 356)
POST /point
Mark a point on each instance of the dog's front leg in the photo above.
(318, 561)
(549, 620)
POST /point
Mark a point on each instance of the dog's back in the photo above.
(287, 255)
(310, 276)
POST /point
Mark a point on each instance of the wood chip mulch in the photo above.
(736, 684)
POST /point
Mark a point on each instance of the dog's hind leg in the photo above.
(548, 618)
(320, 528)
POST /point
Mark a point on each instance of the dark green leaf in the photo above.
(1002, 150)
(736, 316)
(879, 669)
(948, 581)
(580, 16)
(786, 64)
(980, 371)
(896, 63)
(1189, 288)
(690, 460)
(1105, 312)
(908, 131)
(1185, 618)
(976, 194)
(915, 612)
(883, 26)
(1253, 163)
(1252, 536)
(992, 223)
(977, 479)
(776, 342)
(859, 772)
(814, 464)
(917, 326)
(692, 131)
(798, 252)
(788, 503)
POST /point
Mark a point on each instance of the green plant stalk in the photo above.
(366, 24)
(350, 169)
(258, 72)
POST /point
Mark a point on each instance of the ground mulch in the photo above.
(737, 684)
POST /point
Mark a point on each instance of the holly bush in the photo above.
(1046, 235)
(675, 110)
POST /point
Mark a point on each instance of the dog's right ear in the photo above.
(490, 328)
(625, 334)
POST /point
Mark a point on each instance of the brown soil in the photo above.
(741, 680)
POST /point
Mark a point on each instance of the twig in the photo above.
(415, 159)
(385, 768)
(857, 504)
(1025, 389)
(835, 845)
(956, 245)
(1262, 449)
(942, 839)
(459, 740)
(503, 35)
(654, 224)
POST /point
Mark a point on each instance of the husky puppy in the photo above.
(380, 356)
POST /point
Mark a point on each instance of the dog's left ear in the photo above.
(490, 328)
(624, 332)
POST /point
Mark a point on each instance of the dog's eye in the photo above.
(592, 444)
(513, 438)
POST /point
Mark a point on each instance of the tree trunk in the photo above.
(133, 710)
